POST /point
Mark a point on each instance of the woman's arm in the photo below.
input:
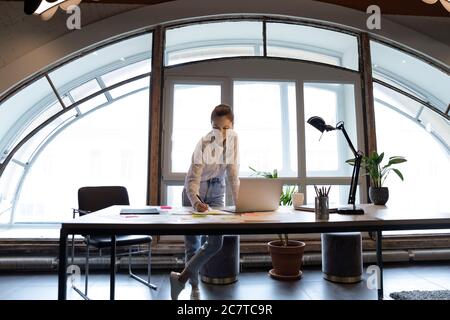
(192, 183)
(194, 174)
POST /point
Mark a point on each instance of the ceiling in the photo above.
(397, 7)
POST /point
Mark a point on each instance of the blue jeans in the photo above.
(199, 249)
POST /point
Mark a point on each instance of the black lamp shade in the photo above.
(319, 124)
(30, 6)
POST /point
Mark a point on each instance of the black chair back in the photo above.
(97, 198)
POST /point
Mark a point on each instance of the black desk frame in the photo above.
(192, 229)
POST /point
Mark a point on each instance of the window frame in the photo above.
(199, 72)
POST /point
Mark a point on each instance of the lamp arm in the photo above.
(341, 127)
(356, 168)
(354, 182)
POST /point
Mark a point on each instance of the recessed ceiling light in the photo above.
(445, 3)
(47, 8)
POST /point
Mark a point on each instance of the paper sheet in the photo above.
(210, 212)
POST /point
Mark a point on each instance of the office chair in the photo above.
(91, 199)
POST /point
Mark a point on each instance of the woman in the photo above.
(215, 156)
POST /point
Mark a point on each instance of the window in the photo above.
(22, 110)
(8, 187)
(106, 147)
(125, 73)
(213, 40)
(266, 122)
(30, 148)
(396, 100)
(338, 196)
(86, 90)
(192, 107)
(312, 44)
(423, 141)
(405, 71)
(104, 61)
(174, 195)
(21, 194)
(326, 153)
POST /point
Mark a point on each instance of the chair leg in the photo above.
(86, 268)
(73, 249)
(86, 280)
(130, 249)
(137, 278)
(149, 263)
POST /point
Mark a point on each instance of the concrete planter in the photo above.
(379, 196)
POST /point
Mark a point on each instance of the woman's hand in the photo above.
(201, 207)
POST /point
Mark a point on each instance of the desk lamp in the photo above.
(319, 124)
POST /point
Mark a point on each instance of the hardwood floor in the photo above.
(253, 284)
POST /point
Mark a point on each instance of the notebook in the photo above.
(139, 211)
(311, 208)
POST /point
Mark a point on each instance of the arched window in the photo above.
(84, 123)
(423, 139)
(411, 98)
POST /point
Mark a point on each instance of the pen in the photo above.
(200, 199)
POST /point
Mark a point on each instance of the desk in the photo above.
(285, 220)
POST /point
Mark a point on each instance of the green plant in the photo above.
(284, 238)
(285, 198)
(378, 173)
(265, 174)
(286, 195)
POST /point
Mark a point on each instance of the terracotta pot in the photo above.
(379, 196)
(286, 260)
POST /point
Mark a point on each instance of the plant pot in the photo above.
(286, 260)
(379, 196)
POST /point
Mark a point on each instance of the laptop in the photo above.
(257, 194)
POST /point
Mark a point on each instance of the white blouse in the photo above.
(212, 159)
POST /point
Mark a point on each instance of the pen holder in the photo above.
(322, 208)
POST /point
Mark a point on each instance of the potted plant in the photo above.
(378, 173)
(287, 255)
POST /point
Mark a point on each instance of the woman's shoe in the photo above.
(176, 286)
(195, 293)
